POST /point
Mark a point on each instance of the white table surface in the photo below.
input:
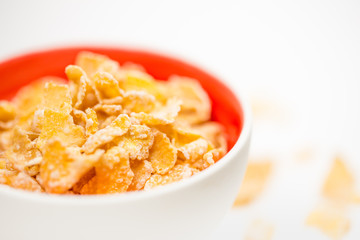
(301, 57)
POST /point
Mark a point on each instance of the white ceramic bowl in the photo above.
(189, 209)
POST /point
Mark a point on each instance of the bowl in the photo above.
(189, 209)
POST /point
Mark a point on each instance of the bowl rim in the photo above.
(138, 195)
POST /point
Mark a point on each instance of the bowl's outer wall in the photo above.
(190, 212)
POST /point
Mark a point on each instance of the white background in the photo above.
(300, 57)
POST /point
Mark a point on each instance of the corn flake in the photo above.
(22, 153)
(82, 91)
(108, 109)
(142, 172)
(106, 86)
(63, 166)
(330, 220)
(113, 173)
(163, 154)
(57, 97)
(137, 142)
(141, 81)
(19, 180)
(93, 63)
(196, 105)
(213, 132)
(162, 115)
(79, 117)
(27, 101)
(177, 173)
(138, 101)
(179, 135)
(92, 123)
(60, 125)
(208, 159)
(194, 150)
(7, 114)
(117, 128)
(90, 187)
(84, 180)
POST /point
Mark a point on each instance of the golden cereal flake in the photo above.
(90, 187)
(79, 117)
(106, 86)
(196, 105)
(81, 88)
(19, 180)
(60, 125)
(256, 175)
(7, 114)
(178, 135)
(213, 132)
(84, 180)
(57, 97)
(117, 128)
(108, 109)
(194, 150)
(142, 172)
(3, 163)
(63, 166)
(164, 114)
(136, 142)
(113, 173)
(92, 63)
(208, 159)
(105, 120)
(22, 152)
(163, 154)
(92, 123)
(141, 81)
(177, 173)
(138, 101)
(27, 101)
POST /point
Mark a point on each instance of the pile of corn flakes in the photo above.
(109, 129)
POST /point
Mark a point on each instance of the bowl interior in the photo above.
(19, 71)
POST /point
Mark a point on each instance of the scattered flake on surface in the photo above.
(330, 219)
(255, 179)
(340, 183)
(259, 230)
